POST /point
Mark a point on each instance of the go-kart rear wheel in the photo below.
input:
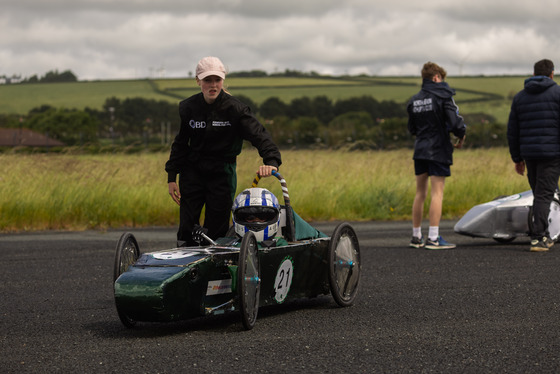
(344, 264)
(248, 280)
(126, 255)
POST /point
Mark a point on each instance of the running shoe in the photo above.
(417, 242)
(541, 245)
(440, 243)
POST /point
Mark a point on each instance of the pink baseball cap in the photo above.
(210, 66)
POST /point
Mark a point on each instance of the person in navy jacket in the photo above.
(432, 116)
(534, 144)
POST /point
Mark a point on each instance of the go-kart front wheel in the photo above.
(344, 264)
(248, 280)
(126, 255)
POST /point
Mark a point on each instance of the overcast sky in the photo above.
(129, 39)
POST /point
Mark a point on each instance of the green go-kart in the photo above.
(236, 274)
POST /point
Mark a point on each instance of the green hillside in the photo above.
(491, 95)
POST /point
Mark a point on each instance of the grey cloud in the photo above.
(100, 39)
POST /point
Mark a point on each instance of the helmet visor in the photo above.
(256, 214)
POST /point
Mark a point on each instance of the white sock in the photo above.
(433, 233)
(417, 232)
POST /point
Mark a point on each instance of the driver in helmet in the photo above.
(256, 210)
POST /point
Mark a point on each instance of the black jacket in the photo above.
(432, 115)
(534, 121)
(215, 132)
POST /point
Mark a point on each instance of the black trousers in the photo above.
(543, 178)
(208, 184)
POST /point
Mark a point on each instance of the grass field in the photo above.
(76, 192)
(20, 98)
(473, 93)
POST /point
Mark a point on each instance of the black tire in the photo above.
(504, 240)
(344, 265)
(127, 253)
(553, 220)
(248, 280)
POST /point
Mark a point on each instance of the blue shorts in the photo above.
(432, 168)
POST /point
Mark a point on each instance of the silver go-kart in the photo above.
(507, 217)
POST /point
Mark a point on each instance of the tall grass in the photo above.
(41, 192)
(76, 192)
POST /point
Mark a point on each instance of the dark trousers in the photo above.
(210, 185)
(543, 177)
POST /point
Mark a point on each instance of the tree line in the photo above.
(52, 76)
(354, 123)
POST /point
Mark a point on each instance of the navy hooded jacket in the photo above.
(534, 121)
(432, 115)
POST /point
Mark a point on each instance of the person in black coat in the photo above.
(214, 125)
(534, 143)
(432, 116)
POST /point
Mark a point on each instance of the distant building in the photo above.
(26, 138)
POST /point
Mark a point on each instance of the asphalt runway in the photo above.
(483, 307)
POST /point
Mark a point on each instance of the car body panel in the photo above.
(506, 218)
(183, 283)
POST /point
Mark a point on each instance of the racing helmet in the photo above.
(257, 210)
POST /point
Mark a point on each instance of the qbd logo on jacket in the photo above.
(197, 124)
(202, 124)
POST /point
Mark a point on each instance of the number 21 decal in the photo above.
(283, 279)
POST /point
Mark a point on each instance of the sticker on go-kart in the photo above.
(172, 255)
(283, 280)
(218, 287)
